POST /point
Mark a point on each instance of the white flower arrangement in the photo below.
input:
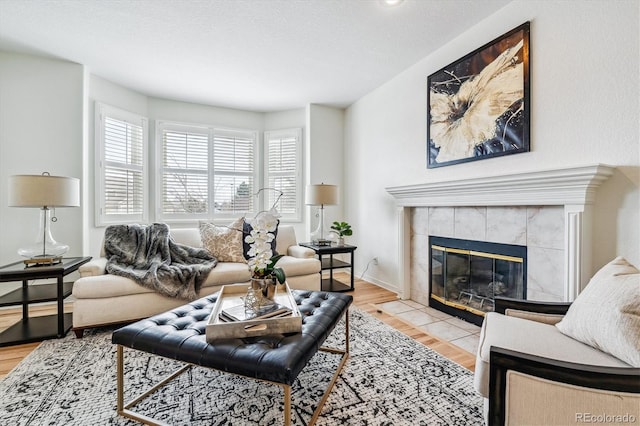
(262, 262)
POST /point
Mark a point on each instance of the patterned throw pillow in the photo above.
(223, 242)
(606, 315)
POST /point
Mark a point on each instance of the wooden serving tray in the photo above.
(232, 295)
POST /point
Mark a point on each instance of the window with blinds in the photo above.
(185, 172)
(121, 153)
(205, 173)
(200, 172)
(283, 159)
(233, 171)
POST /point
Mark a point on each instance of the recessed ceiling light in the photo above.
(392, 2)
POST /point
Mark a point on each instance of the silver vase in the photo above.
(265, 288)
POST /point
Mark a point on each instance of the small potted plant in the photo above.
(343, 229)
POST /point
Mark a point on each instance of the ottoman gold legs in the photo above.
(124, 409)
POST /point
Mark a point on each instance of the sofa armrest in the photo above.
(566, 390)
(93, 268)
(301, 252)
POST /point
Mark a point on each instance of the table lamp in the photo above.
(44, 192)
(321, 195)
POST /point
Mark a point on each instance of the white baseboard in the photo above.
(383, 284)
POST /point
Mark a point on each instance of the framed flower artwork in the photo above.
(478, 107)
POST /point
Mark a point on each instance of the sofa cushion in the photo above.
(103, 286)
(228, 273)
(606, 315)
(187, 236)
(533, 338)
(223, 242)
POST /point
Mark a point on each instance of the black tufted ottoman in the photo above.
(180, 334)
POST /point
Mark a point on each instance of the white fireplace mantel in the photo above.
(572, 187)
(575, 185)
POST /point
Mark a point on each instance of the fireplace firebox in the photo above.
(465, 275)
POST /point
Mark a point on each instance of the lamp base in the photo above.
(318, 237)
(36, 251)
(45, 246)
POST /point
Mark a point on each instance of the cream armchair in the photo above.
(531, 374)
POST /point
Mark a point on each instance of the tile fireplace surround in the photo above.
(548, 211)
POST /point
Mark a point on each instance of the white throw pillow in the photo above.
(223, 242)
(606, 315)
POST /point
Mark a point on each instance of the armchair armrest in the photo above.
(502, 304)
(301, 252)
(93, 268)
(545, 312)
(567, 391)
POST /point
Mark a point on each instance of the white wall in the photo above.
(325, 159)
(165, 109)
(584, 110)
(41, 129)
(285, 119)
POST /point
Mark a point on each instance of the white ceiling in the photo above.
(260, 55)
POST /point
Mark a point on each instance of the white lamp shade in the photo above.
(321, 195)
(43, 190)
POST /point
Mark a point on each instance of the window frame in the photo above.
(212, 131)
(152, 169)
(101, 112)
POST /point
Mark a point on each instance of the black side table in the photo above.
(331, 284)
(33, 329)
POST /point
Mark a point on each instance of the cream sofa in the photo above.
(101, 299)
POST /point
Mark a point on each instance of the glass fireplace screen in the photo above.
(468, 280)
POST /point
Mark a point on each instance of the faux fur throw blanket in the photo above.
(148, 255)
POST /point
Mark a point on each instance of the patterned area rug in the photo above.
(389, 379)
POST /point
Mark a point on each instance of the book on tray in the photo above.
(240, 313)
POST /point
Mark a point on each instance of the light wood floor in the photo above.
(366, 296)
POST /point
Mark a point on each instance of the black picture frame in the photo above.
(478, 107)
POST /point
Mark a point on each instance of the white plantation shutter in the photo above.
(234, 172)
(184, 172)
(283, 164)
(205, 173)
(121, 152)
